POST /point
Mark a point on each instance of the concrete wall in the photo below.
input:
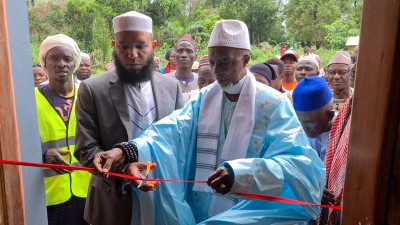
(21, 62)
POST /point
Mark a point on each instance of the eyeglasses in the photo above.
(339, 72)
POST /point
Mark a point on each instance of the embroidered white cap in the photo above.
(133, 21)
(230, 33)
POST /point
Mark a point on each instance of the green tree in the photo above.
(338, 33)
(45, 19)
(81, 16)
(261, 16)
(89, 22)
(164, 10)
(102, 40)
(196, 20)
(307, 19)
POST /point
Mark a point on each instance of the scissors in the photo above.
(144, 182)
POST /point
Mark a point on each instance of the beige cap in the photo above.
(59, 40)
(230, 33)
(133, 21)
(341, 57)
(195, 65)
(310, 58)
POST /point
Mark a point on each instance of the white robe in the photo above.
(279, 162)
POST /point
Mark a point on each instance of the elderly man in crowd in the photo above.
(338, 74)
(312, 101)
(117, 106)
(85, 68)
(66, 191)
(307, 66)
(237, 134)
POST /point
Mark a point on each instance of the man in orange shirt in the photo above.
(288, 79)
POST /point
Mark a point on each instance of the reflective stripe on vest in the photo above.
(59, 143)
(55, 134)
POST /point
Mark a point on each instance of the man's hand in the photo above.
(328, 198)
(134, 169)
(221, 180)
(54, 156)
(108, 160)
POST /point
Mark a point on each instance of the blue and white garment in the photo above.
(278, 161)
(319, 144)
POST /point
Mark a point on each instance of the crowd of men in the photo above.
(277, 128)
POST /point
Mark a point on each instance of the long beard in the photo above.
(134, 77)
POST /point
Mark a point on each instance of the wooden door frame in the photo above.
(371, 168)
(11, 176)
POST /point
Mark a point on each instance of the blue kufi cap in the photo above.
(310, 94)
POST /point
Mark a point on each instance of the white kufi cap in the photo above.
(230, 33)
(133, 21)
(310, 58)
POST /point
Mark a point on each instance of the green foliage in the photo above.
(102, 42)
(89, 22)
(83, 14)
(35, 52)
(164, 10)
(308, 20)
(170, 32)
(262, 53)
(45, 19)
(261, 17)
(338, 33)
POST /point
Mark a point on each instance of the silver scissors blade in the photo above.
(143, 181)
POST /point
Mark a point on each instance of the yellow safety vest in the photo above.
(55, 134)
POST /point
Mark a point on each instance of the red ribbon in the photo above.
(286, 200)
(251, 196)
